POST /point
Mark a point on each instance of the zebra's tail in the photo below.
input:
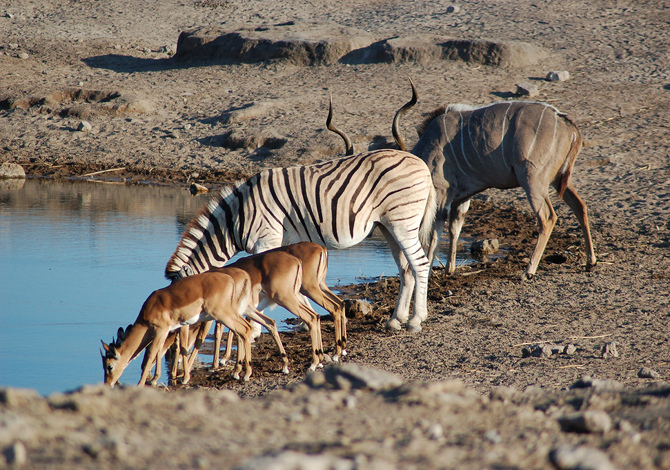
(428, 220)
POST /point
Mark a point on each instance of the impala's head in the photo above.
(111, 357)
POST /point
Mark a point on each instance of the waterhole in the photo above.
(79, 259)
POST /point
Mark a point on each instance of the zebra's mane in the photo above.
(197, 225)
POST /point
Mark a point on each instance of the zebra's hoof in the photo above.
(393, 324)
(414, 328)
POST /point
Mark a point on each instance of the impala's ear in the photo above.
(105, 346)
(120, 335)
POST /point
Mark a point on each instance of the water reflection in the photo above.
(78, 261)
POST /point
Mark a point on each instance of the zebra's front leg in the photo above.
(401, 312)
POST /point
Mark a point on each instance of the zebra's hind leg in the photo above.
(401, 312)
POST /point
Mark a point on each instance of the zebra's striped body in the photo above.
(336, 204)
(501, 145)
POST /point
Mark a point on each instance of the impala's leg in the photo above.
(546, 218)
(154, 349)
(335, 307)
(218, 334)
(184, 333)
(243, 330)
(401, 312)
(292, 303)
(203, 330)
(229, 347)
(579, 208)
(154, 378)
(270, 324)
(456, 219)
(174, 369)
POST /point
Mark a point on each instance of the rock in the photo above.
(11, 170)
(647, 373)
(290, 460)
(84, 126)
(485, 247)
(527, 89)
(493, 436)
(196, 188)
(609, 350)
(598, 384)
(579, 458)
(558, 76)
(349, 375)
(294, 42)
(453, 9)
(570, 349)
(24, 55)
(537, 350)
(591, 421)
(435, 432)
(16, 454)
(356, 308)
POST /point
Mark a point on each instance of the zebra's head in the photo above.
(172, 275)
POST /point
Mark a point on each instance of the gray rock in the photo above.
(598, 384)
(11, 170)
(609, 350)
(591, 421)
(485, 247)
(353, 376)
(647, 373)
(579, 458)
(356, 308)
(16, 454)
(294, 42)
(558, 76)
(290, 460)
(84, 126)
(570, 349)
(527, 89)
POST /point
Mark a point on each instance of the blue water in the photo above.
(80, 258)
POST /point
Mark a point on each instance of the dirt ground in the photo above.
(471, 398)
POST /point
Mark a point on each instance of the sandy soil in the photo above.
(157, 119)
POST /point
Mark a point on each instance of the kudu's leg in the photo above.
(546, 218)
(578, 207)
(456, 220)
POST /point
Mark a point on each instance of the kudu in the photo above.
(501, 145)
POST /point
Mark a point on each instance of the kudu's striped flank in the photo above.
(501, 145)
(336, 204)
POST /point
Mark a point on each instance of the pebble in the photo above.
(647, 373)
(591, 421)
(435, 432)
(609, 350)
(485, 247)
(11, 170)
(558, 76)
(23, 55)
(527, 89)
(584, 458)
(84, 126)
(356, 308)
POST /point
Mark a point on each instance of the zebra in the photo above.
(336, 204)
(501, 145)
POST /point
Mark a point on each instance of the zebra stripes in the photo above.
(335, 203)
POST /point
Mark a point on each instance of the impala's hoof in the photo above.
(393, 324)
(284, 370)
(344, 352)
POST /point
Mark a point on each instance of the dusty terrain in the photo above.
(155, 118)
